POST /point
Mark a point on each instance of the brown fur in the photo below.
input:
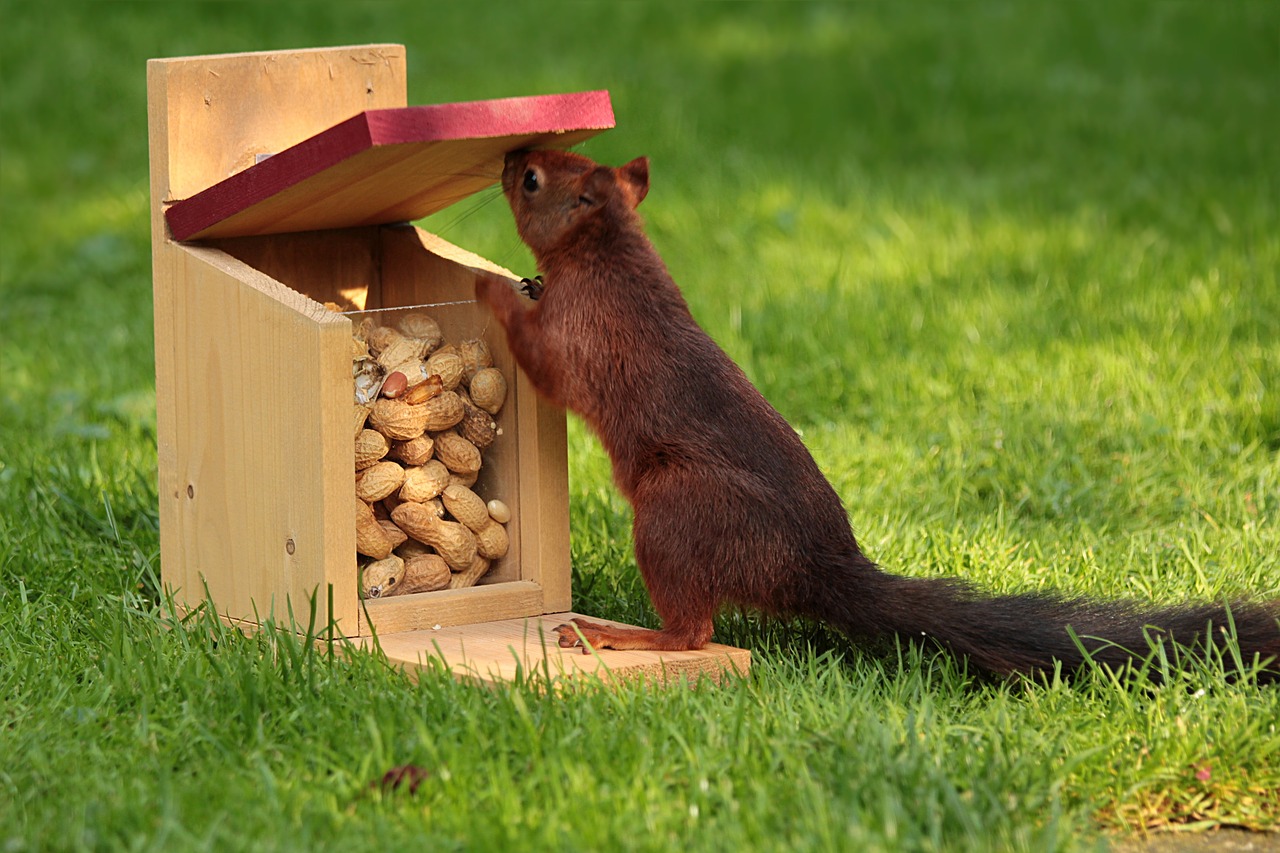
(729, 506)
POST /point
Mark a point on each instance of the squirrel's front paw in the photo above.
(532, 287)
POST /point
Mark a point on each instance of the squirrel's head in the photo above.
(552, 192)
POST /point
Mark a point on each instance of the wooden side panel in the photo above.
(259, 493)
(544, 496)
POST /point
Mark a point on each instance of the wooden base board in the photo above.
(501, 651)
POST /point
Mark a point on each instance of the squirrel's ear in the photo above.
(635, 178)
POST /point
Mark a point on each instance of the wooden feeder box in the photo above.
(281, 181)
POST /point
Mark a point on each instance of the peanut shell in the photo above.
(475, 357)
(413, 548)
(371, 446)
(380, 338)
(361, 417)
(477, 426)
(416, 451)
(398, 420)
(471, 574)
(467, 480)
(379, 480)
(446, 365)
(441, 412)
(399, 351)
(492, 541)
(424, 573)
(379, 579)
(489, 390)
(457, 454)
(424, 482)
(396, 536)
(371, 539)
(423, 327)
(451, 540)
(466, 507)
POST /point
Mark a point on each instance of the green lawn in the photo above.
(1011, 268)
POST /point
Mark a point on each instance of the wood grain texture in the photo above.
(504, 650)
(221, 112)
(450, 607)
(341, 266)
(254, 488)
(248, 504)
(385, 166)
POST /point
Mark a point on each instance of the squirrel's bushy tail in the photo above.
(1028, 632)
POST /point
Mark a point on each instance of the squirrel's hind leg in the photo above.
(680, 637)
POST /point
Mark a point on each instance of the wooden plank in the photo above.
(259, 498)
(503, 650)
(385, 166)
(446, 608)
(544, 495)
(222, 112)
(329, 266)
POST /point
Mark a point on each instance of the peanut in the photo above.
(466, 506)
(430, 387)
(371, 446)
(415, 451)
(424, 482)
(451, 540)
(424, 573)
(471, 574)
(457, 454)
(371, 539)
(499, 511)
(379, 480)
(475, 357)
(398, 420)
(379, 578)
(489, 390)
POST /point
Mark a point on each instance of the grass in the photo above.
(1010, 268)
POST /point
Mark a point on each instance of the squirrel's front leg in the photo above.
(521, 323)
(501, 298)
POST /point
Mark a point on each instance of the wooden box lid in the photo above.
(386, 165)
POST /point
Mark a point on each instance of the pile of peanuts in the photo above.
(424, 414)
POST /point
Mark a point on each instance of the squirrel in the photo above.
(729, 507)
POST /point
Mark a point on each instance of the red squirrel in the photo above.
(729, 506)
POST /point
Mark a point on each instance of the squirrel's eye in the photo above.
(530, 181)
